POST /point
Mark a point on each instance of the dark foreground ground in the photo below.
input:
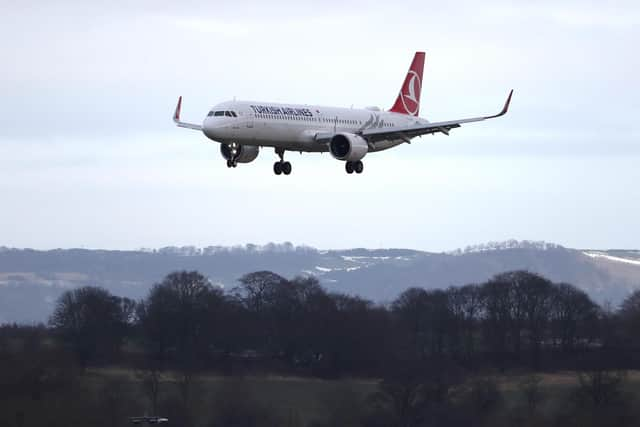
(108, 396)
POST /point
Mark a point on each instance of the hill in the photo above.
(31, 280)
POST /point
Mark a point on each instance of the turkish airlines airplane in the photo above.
(349, 134)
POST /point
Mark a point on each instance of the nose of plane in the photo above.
(212, 128)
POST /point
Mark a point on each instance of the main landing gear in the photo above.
(352, 167)
(281, 167)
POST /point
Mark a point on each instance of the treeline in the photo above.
(272, 324)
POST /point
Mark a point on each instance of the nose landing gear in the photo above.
(233, 152)
(281, 167)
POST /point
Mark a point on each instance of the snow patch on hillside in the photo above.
(612, 258)
(363, 258)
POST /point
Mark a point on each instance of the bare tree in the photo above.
(572, 316)
(629, 314)
(467, 306)
(93, 321)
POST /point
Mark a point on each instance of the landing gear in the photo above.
(281, 167)
(232, 154)
(286, 168)
(358, 167)
(352, 167)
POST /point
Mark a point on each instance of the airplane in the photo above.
(242, 127)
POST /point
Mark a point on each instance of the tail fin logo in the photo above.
(411, 99)
(408, 100)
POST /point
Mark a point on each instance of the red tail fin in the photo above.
(408, 101)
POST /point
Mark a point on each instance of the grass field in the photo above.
(300, 399)
(303, 400)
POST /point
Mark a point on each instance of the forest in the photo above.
(272, 351)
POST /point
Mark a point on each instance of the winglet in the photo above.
(176, 115)
(176, 118)
(504, 109)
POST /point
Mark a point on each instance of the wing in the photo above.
(176, 118)
(406, 133)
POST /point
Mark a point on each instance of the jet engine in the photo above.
(349, 147)
(244, 153)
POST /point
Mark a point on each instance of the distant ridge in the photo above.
(31, 280)
(507, 244)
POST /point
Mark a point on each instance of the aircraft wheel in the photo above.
(358, 167)
(277, 168)
(229, 163)
(349, 167)
(286, 168)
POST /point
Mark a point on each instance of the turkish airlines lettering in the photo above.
(242, 127)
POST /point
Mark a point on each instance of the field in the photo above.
(300, 399)
(303, 400)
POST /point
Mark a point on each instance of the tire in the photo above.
(286, 168)
(277, 168)
(349, 167)
(358, 167)
(229, 164)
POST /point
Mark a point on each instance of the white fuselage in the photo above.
(297, 127)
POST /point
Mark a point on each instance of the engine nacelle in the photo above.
(246, 154)
(349, 147)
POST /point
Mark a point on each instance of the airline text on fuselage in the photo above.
(265, 109)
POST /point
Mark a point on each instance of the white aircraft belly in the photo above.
(290, 137)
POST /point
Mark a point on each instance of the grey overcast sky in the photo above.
(89, 156)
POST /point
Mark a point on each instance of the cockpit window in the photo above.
(222, 113)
